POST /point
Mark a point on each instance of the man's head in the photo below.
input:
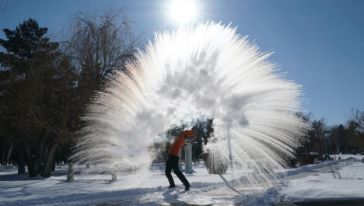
(190, 137)
(194, 131)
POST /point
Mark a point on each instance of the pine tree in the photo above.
(28, 64)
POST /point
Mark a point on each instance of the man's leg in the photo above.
(179, 174)
(168, 173)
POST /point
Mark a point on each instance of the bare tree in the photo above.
(317, 134)
(102, 42)
(99, 44)
(337, 137)
(355, 132)
(357, 116)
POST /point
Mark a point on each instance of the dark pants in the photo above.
(172, 163)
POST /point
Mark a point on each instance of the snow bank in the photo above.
(325, 184)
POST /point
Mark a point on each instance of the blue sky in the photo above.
(317, 43)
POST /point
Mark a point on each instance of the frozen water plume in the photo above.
(205, 71)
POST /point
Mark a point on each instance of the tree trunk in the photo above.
(70, 174)
(114, 177)
(35, 157)
(48, 166)
(32, 161)
(21, 162)
(42, 152)
(3, 158)
(53, 165)
(10, 152)
(188, 158)
(320, 145)
(337, 149)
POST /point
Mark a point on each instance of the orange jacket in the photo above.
(179, 142)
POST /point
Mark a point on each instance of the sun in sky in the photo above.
(182, 11)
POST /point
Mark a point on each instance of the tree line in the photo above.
(45, 87)
(322, 140)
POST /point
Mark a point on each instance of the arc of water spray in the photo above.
(229, 145)
(207, 70)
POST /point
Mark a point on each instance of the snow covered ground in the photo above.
(341, 178)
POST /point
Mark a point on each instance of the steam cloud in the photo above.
(204, 71)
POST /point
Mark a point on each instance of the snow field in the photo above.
(303, 183)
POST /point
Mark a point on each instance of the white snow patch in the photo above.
(324, 185)
(308, 182)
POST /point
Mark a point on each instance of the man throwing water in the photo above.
(173, 158)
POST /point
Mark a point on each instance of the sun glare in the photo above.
(182, 11)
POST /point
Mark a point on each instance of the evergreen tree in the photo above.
(31, 79)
